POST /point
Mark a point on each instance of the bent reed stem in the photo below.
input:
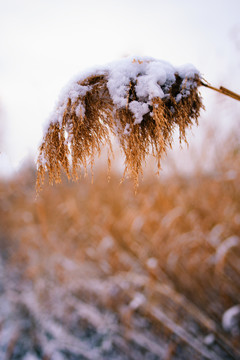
(222, 90)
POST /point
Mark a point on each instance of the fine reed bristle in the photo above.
(87, 122)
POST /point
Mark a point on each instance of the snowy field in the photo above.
(88, 272)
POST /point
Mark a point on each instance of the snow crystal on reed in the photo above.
(138, 109)
(80, 110)
(187, 70)
(149, 75)
(72, 91)
(146, 72)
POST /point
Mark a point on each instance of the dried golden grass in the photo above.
(181, 222)
(173, 235)
(73, 142)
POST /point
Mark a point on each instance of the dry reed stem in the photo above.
(74, 141)
(222, 90)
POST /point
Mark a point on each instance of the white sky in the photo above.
(44, 43)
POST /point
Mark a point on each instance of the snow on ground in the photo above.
(231, 320)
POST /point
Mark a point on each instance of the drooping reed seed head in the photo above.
(140, 101)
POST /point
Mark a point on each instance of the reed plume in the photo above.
(140, 101)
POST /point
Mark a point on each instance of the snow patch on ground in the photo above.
(231, 320)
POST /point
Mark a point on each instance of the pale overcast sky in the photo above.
(44, 43)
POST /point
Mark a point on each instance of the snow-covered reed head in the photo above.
(140, 101)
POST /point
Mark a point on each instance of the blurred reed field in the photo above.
(95, 271)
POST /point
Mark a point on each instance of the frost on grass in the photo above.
(139, 100)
